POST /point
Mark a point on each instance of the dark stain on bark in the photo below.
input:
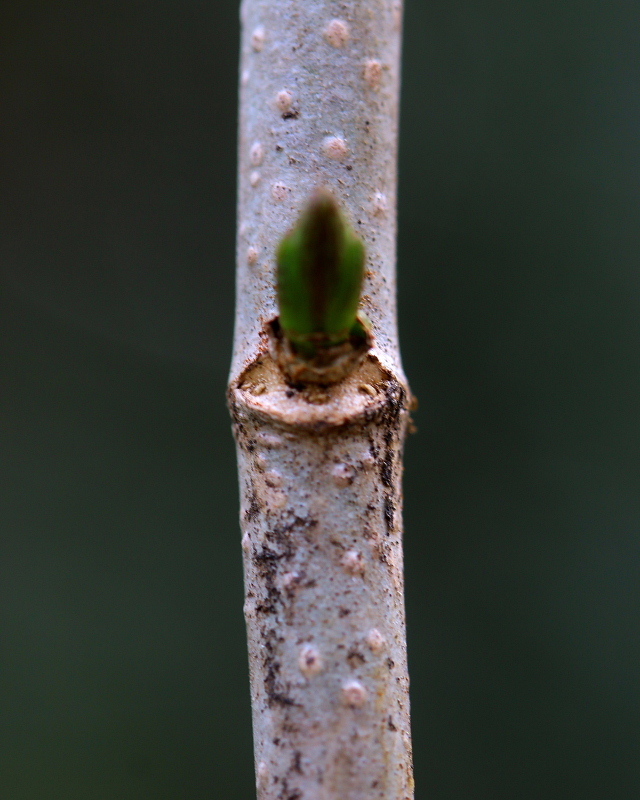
(286, 793)
(274, 695)
(389, 510)
(391, 431)
(281, 545)
(386, 468)
(254, 507)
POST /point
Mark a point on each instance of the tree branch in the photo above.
(320, 467)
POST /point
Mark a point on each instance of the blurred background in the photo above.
(122, 657)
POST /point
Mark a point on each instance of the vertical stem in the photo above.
(320, 469)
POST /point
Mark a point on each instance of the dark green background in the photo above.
(122, 658)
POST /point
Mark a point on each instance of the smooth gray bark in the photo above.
(320, 468)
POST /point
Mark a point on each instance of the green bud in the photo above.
(320, 275)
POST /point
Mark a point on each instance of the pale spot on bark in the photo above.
(376, 641)
(291, 580)
(276, 499)
(273, 478)
(261, 462)
(310, 660)
(269, 440)
(279, 192)
(353, 562)
(380, 204)
(284, 100)
(262, 773)
(343, 474)
(257, 39)
(254, 178)
(367, 460)
(373, 73)
(257, 154)
(354, 694)
(337, 33)
(335, 148)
